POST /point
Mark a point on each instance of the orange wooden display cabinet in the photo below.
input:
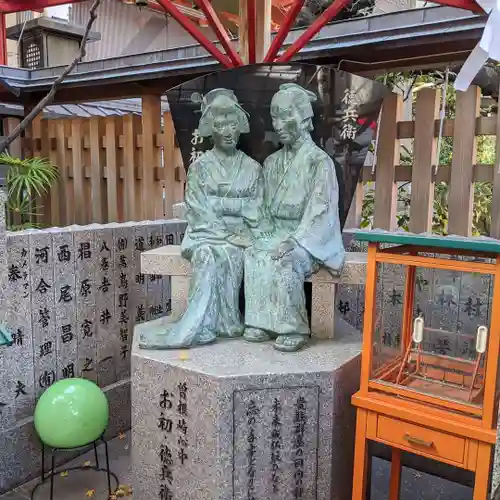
(413, 396)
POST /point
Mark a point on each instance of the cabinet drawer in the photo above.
(421, 440)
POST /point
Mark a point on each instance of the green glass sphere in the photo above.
(71, 413)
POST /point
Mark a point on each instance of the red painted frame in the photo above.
(231, 58)
(195, 32)
(284, 30)
(313, 29)
(220, 31)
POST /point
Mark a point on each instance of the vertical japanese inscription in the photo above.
(196, 144)
(46, 293)
(17, 387)
(105, 301)
(276, 445)
(182, 426)
(86, 274)
(174, 444)
(123, 237)
(65, 314)
(299, 429)
(165, 424)
(169, 238)
(252, 413)
(350, 115)
(139, 280)
(154, 295)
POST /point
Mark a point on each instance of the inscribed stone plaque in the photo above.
(170, 230)
(123, 236)
(87, 313)
(275, 443)
(65, 315)
(105, 297)
(44, 294)
(154, 281)
(139, 285)
(17, 391)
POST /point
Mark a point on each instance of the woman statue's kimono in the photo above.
(223, 199)
(301, 201)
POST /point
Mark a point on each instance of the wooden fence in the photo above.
(129, 168)
(112, 169)
(460, 175)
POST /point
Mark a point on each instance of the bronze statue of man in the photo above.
(301, 208)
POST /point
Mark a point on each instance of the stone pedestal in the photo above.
(238, 421)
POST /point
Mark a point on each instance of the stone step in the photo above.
(167, 261)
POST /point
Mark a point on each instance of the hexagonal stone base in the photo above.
(238, 421)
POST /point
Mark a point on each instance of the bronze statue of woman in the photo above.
(301, 204)
(223, 201)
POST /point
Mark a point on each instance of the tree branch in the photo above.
(26, 122)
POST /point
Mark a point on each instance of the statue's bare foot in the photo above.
(255, 335)
(290, 343)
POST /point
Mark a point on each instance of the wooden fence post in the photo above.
(181, 177)
(15, 149)
(263, 9)
(387, 157)
(56, 193)
(152, 194)
(495, 202)
(424, 159)
(64, 160)
(97, 170)
(461, 194)
(78, 170)
(169, 163)
(112, 169)
(40, 148)
(131, 201)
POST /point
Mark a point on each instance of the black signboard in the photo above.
(346, 114)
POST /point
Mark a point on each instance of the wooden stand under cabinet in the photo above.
(413, 396)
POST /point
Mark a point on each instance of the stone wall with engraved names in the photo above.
(71, 299)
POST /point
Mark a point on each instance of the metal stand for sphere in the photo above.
(96, 468)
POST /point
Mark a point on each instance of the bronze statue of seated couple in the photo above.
(274, 224)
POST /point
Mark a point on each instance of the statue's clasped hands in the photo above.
(285, 248)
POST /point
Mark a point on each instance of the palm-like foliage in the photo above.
(26, 180)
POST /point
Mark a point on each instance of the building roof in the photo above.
(410, 38)
(84, 110)
(53, 25)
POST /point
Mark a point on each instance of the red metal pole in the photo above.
(193, 30)
(3, 41)
(284, 30)
(220, 31)
(313, 29)
(251, 26)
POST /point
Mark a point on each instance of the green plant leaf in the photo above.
(26, 180)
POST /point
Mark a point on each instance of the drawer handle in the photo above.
(418, 441)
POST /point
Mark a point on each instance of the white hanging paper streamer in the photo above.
(487, 48)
